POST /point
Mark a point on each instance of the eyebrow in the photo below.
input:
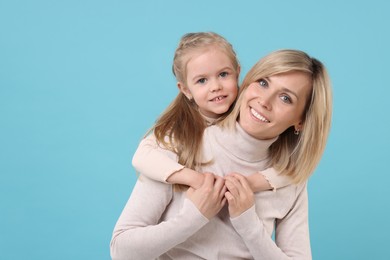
(227, 68)
(199, 76)
(284, 89)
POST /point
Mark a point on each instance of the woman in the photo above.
(281, 119)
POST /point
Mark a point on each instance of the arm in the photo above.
(138, 235)
(268, 179)
(155, 164)
(187, 177)
(292, 232)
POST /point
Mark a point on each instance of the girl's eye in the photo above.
(223, 74)
(286, 99)
(202, 80)
(263, 83)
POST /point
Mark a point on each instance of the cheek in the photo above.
(252, 91)
(235, 92)
(203, 97)
(199, 98)
(286, 118)
(294, 117)
(241, 113)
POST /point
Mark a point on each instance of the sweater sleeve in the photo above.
(149, 160)
(292, 232)
(275, 179)
(138, 234)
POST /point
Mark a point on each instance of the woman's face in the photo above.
(273, 104)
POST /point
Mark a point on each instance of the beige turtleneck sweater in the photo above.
(160, 223)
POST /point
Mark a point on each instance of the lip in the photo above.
(218, 99)
(258, 116)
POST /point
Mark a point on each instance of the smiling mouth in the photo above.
(219, 98)
(258, 116)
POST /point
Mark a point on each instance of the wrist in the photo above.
(258, 182)
(187, 177)
(194, 178)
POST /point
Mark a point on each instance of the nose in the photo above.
(215, 86)
(265, 102)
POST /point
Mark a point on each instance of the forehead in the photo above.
(212, 50)
(207, 60)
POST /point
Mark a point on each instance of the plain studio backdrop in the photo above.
(82, 81)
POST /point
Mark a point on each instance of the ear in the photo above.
(183, 89)
(298, 126)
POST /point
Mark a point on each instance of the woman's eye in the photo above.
(286, 99)
(223, 74)
(263, 83)
(202, 80)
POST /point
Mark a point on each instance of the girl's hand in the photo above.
(239, 194)
(210, 197)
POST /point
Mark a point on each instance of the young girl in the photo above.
(207, 70)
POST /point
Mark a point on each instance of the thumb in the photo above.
(229, 196)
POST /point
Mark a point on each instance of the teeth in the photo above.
(218, 98)
(258, 116)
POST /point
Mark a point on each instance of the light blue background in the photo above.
(81, 82)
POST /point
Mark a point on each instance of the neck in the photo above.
(209, 120)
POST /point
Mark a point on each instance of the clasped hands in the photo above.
(216, 191)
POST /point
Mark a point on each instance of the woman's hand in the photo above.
(239, 194)
(210, 197)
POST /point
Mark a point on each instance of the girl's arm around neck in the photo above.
(153, 161)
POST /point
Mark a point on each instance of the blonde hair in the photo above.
(292, 155)
(180, 127)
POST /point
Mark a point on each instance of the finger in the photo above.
(229, 197)
(232, 187)
(231, 173)
(219, 183)
(222, 192)
(223, 202)
(208, 180)
(243, 181)
(235, 181)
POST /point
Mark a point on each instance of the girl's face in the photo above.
(211, 81)
(273, 104)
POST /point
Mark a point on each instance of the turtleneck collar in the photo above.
(242, 145)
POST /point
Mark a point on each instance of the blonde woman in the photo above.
(281, 119)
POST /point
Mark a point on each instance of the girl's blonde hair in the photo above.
(180, 127)
(295, 155)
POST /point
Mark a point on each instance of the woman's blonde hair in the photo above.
(180, 127)
(295, 155)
